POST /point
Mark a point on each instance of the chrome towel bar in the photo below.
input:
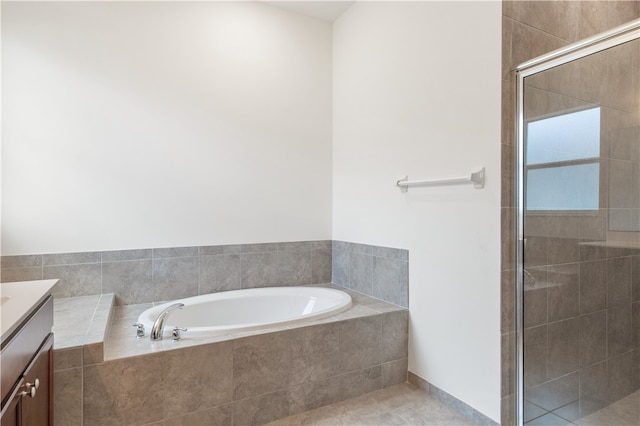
(476, 178)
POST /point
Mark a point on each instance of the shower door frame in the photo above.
(614, 37)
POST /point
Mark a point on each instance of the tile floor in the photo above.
(625, 412)
(407, 405)
(402, 404)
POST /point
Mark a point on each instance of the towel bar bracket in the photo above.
(477, 179)
(403, 188)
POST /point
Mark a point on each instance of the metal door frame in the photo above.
(614, 37)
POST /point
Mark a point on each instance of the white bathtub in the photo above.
(251, 309)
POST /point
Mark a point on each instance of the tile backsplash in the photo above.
(157, 274)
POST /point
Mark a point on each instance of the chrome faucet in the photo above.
(158, 326)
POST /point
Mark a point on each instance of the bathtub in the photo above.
(236, 311)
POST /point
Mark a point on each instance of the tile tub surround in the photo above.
(151, 275)
(155, 274)
(381, 272)
(248, 378)
(82, 322)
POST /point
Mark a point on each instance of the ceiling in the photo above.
(327, 10)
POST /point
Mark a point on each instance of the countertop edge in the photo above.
(25, 296)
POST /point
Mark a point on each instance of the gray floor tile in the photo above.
(402, 404)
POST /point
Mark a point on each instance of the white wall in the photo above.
(140, 124)
(417, 91)
(150, 124)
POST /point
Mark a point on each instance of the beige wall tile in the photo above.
(315, 353)
(75, 280)
(508, 130)
(508, 177)
(508, 301)
(127, 391)
(197, 378)
(559, 18)
(64, 359)
(67, 397)
(360, 382)
(394, 372)
(360, 344)
(261, 409)
(508, 237)
(261, 364)
(93, 354)
(618, 86)
(528, 42)
(21, 274)
(314, 393)
(535, 356)
(220, 415)
(597, 17)
(508, 359)
(507, 412)
(21, 261)
(507, 35)
(395, 335)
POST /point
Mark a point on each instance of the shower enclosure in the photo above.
(578, 273)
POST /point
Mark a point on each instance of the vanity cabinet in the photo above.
(27, 371)
(11, 412)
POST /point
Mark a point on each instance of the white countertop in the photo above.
(18, 299)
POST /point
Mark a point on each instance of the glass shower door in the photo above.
(580, 230)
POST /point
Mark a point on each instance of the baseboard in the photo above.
(451, 401)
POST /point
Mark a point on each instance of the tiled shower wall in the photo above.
(579, 351)
(531, 28)
(149, 275)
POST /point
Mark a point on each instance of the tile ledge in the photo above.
(85, 334)
(96, 330)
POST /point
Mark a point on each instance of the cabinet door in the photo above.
(11, 413)
(38, 410)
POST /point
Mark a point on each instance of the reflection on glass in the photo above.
(568, 136)
(567, 187)
(581, 224)
(563, 169)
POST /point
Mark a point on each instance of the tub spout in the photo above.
(158, 326)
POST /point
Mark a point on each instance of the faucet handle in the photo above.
(175, 336)
(139, 330)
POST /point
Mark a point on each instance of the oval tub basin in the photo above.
(251, 309)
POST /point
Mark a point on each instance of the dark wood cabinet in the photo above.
(12, 411)
(27, 372)
(36, 410)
